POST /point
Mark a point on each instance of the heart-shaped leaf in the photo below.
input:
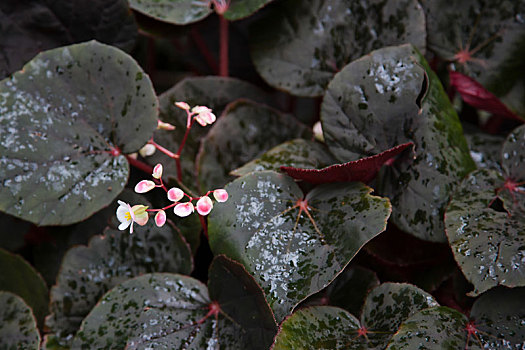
(319, 327)
(35, 26)
(293, 244)
(331, 328)
(65, 118)
(20, 278)
(174, 311)
(213, 92)
(485, 39)
(302, 44)
(298, 153)
(391, 97)
(88, 272)
(18, 328)
(173, 11)
(239, 9)
(244, 132)
(364, 170)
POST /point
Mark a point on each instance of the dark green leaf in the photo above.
(12, 232)
(319, 327)
(213, 92)
(18, 277)
(242, 300)
(485, 149)
(485, 39)
(297, 153)
(434, 328)
(499, 317)
(18, 330)
(35, 26)
(513, 155)
(302, 44)
(244, 132)
(388, 98)
(88, 272)
(294, 252)
(63, 116)
(486, 235)
(239, 9)
(173, 11)
(388, 305)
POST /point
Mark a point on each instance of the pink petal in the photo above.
(144, 186)
(165, 126)
(182, 105)
(183, 209)
(204, 205)
(157, 171)
(220, 195)
(175, 194)
(199, 120)
(160, 218)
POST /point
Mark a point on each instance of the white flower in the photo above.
(127, 215)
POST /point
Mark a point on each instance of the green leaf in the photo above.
(492, 31)
(498, 316)
(487, 241)
(388, 305)
(173, 11)
(18, 330)
(213, 92)
(434, 328)
(12, 233)
(294, 252)
(301, 45)
(244, 132)
(485, 149)
(513, 155)
(391, 97)
(319, 327)
(298, 153)
(88, 272)
(242, 300)
(18, 277)
(240, 9)
(63, 116)
(36, 26)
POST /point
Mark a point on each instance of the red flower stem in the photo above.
(163, 150)
(204, 225)
(182, 143)
(139, 165)
(223, 48)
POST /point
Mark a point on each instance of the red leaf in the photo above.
(363, 170)
(477, 96)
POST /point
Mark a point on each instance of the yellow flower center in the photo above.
(127, 216)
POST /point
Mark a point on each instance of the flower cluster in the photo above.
(203, 115)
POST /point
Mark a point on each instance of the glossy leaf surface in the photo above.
(388, 98)
(173, 11)
(239, 9)
(485, 149)
(18, 329)
(294, 252)
(298, 153)
(485, 39)
(63, 116)
(244, 132)
(20, 278)
(87, 272)
(35, 26)
(513, 155)
(363, 170)
(301, 45)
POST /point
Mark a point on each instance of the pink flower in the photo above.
(204, 205)
(175, 194)
(160, 218)
(144, 186)
(157, 171)
(204, 115)
(220, 195)
(183, 209)
(127, 215)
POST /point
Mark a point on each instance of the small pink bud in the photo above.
(183, 105)
(204, 205)
(183, 209)
(165, 126)
(144, 186)
(175, 194)
(147, 150)
(157, 171)
(160, 218)
(204, 115)
(220, 195)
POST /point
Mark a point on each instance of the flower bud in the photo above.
(220, 195)
(183, 209)
(157, 171)
(160, 218)
(204, 205)
(183, 105)
(147, 150)
(144, 186)
(175, 194)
